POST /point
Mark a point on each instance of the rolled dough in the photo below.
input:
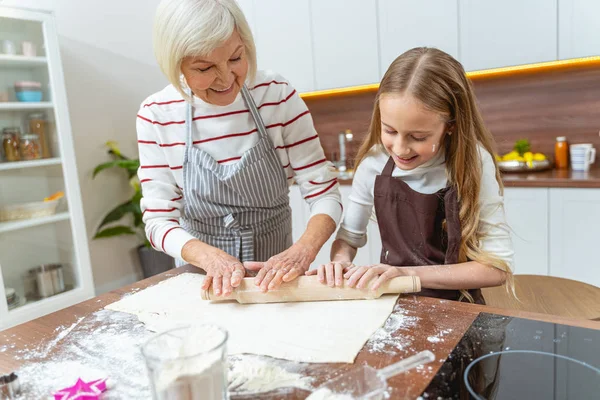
(319, 332)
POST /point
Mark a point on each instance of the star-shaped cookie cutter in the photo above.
(82, 390)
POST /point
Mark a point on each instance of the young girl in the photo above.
(427, 169)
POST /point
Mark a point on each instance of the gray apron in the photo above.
(242, 208)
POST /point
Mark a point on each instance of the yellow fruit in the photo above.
(510, 156)
(539, 157)
(521, 159)
(498, 158)
(528, 156)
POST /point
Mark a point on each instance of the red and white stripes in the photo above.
(226, 133)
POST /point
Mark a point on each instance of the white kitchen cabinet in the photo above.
(344, 38)
(578, 22)
(283, 40)
(527, 216)
(575, 234)
(58, 238)
(504, 33)
(404, 24)
(298, 210)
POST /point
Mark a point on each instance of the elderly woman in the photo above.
(219, 148)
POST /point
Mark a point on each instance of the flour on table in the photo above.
(254, 374)
(394, 335)
(439, 337)
(320, 332)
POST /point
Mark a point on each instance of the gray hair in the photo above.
(184, 28)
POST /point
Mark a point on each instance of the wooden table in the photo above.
(434, 316)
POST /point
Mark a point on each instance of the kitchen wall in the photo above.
(109, 66)
(538, 106)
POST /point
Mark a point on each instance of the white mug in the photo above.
(582, 156)
(28, 49)
(8, 47)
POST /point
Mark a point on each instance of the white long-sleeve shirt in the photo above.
(427, 178)
(226, 132)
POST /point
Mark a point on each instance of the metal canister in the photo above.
(10, 388)
(58, 278)
(49, 279)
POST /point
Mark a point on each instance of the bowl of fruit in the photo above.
(521, 159)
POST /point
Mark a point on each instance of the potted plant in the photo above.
(126, 218)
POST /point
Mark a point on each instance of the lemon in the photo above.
(510, 156)
(539, 157)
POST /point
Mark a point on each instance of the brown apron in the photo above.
(412, 228)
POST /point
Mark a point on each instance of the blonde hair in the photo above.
(439, 81)
(184, 28)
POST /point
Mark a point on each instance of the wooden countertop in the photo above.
(433, 315)
(553, 178)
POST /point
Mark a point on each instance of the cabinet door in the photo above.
(344, 42)
(283, 40)
(575, 234)
(404, 24)
(527, 215)
(578, 22)
(510, 32)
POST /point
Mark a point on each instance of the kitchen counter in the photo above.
(553, 178)
(421, 323)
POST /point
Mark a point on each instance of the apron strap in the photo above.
(453, 226)
(260, 125)
(389, 167)
(189, 141)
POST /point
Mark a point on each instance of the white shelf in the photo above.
(22, 61)
(23, 105)
(28, 223)
(5, 166)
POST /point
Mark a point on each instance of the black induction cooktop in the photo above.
(506, 358)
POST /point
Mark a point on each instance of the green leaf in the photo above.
(114, 231)
(117, 213)
(522, 146)
(129, 165)
(137, 210)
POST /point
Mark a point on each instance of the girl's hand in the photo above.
(332, 274)
(360, 277)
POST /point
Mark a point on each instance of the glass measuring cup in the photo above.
(188, 363)
(367, 382)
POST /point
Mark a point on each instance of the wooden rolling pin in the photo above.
(308, 288)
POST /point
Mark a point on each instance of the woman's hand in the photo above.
(283, 267)
(223, 271)
(332, 274)
(360, 277)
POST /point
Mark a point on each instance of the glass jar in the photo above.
(561, 153)
(10, 144)
(38, 125)
(30, 147)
